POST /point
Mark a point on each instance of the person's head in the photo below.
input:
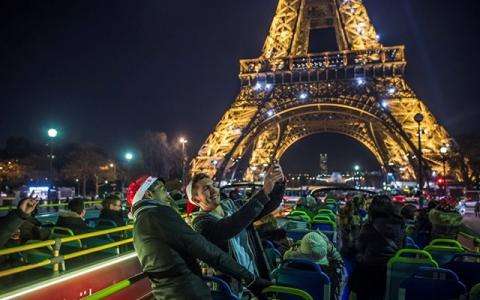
(78, 206)
(112, 202)
(381, 206)
(234, 194)
(315, 246)
(147, 188)
(408, 211)
(203, 193)
(447, 204)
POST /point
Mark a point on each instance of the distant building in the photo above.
(323, 163)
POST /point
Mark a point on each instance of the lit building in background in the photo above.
(323, 163)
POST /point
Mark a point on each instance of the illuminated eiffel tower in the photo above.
(360, 91)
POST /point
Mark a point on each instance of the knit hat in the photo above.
(315, 246)
(138, 188)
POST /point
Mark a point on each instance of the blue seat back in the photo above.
(443, 254)
(267, 244)
(467, 267)
(404, 264)
(274, 257)
(410, 243)
(219, 289)
(432, 283)
(304, 275)
(297, 234)
(322, 226)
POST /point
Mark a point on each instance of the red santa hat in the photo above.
(138, 188)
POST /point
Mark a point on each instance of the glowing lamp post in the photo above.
(444, 151)
(183, 141)
(52, 134)
(356, 168)
(419, 118)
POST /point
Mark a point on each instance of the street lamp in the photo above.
(419, 118)
(114, 167)
(356, 168)
(129, 156)
(183, 141)
(52, 134)
(444, 151)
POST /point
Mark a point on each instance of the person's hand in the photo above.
(27, 205)
(274, 175)
(257, 286)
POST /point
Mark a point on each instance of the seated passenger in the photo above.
(31, 229)
(446, 220)
(112, 210)
(168, 249)
(316, 246)
(408, 213)
(268, 229)
(10, 223)
(224, 224)
(350, 222)
(73, 217)
(380, 238)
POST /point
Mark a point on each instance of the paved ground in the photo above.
(471, 221)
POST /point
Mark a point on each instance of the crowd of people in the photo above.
(220, 235)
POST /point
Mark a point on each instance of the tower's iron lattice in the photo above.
(359, 91)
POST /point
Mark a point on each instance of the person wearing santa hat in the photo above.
(168, 248)
(225, 224)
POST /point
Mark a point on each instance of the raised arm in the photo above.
(228, 227)
(182, 238)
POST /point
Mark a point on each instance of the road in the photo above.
(471, 221)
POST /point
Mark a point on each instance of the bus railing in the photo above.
(58, 260)
(10, 207)
(115, 288)
(469, 242)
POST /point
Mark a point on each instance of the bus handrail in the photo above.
(95, 233)
(58, 259)
(115, 288)
(475, 240)
(10, 207)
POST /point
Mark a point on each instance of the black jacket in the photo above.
(380, 239)
(168, 250)
(115, 216)
(73, 221)
(9, 224)
(31, 230)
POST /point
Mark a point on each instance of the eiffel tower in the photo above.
(359, 91)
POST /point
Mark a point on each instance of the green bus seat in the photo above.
(403, 265)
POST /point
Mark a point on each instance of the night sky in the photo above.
(106, 71)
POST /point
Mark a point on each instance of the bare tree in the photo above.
(160, 158)
(85, 163)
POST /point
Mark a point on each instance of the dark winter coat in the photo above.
(9, 224)
(31, 230)
(115, 216)
(73, 221)
(168, 250)
(380, 239)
